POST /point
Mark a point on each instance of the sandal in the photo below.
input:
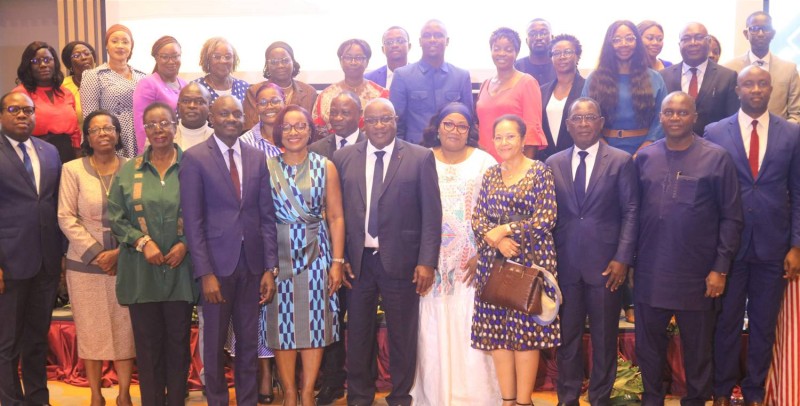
(266, 399)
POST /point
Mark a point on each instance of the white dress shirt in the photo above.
(372, 241)
(686, 76)
(555, 112)
(746, 127)
(237, 158)
(351, 139)
(389, 77)
(590, 159)
(37, 170)
(765, 60)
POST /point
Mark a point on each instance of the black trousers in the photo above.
(161, 332)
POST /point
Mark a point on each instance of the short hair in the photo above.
(396, 27)
(85, 146)
(569, 38)
(66, 53)
(208, 49)
(345, 46)
(7, 95)
(646, 25)
(160, 105)
(507, 33)
(277, 130)
(286, 47)
(25, 69)
(270, 85)
(354, 97)
(540, 20)
(586, 100)
(756, 14)
(430, 136)
(513, 118)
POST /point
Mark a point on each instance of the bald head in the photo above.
(227, 118)
(694, 44)
(754, 88)
(678, 115)
(193, 103)
(380, 122)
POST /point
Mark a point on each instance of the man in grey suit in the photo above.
(712, 86)
(30, 252)
(393, 215)
(597, 190)
(785, 100)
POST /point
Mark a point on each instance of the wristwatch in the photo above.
(274, 271)
(142, 242)
(339, 260)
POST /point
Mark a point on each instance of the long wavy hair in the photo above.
(25, 69)
(604, 82)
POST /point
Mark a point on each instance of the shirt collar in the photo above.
(746, 121)
(15, 144)
(389, 148)
(591, 150)
(224, 148)
(143, 159)
(700, 68)
(767, 58)
(425, 66)
(351, 139)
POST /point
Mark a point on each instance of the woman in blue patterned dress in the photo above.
(219, 60)
(517, 197)
(308, 203)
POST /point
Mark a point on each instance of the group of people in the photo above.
(277, 211)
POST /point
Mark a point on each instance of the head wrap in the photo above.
(119, 27)
(455, 107)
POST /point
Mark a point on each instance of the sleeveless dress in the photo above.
(302, 314)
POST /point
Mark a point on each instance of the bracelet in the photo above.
(142, 242)
(339, 260)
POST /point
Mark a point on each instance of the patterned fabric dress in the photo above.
(302, 315)
(495, 327)
(238, 89)
(782, 386)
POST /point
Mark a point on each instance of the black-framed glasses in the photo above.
(354, 59)
(567, 53)
(78, 55)
(451, 126)
(225, 114)
(382, 119)
(279, 61)
(432, 35)
(45, 60)
(275, 101)
(159, 125)
(628, 39)
(223, 58)
(108, 129)
(580, 118)
(694, 38)
(538, 34)
(167, 58)
(673, 113)
(26, 110)
(188, 101)
(398, 41)
(299, 127)
(755, 29)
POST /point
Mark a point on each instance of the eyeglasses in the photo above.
(451, 126)
(749, 85)
(299, 127)
(275, 101)
(538, 34)
(45, 60)
(398, 41)
(382, 119)
(673, 113)
(578, 119)
(432, 35)
(754, 29)
(225, 114)
(354, 59)
(109, 129)
(224, 58)
(159, 125)
(78, 55)
(565, 53)
(628, 39)
(198, 101)
(167, 58)
(694, 38)
(279, 61)
(26, 110)
(654, 38)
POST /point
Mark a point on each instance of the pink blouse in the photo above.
(148, 90)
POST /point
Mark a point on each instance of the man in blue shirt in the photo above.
(420, 89)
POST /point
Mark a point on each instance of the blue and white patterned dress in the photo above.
(238, 89)
(302, 314)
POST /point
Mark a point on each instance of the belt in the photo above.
(371, 250)
(609, 133)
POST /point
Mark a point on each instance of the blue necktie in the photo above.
(377, 185)
(580, 179)
(342, 143)
(26, 160)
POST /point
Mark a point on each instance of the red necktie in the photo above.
(235, 175)
(753, 158)
(693, 83)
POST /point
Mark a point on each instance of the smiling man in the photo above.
(395, 45)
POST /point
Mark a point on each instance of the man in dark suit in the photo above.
(30, 251)
(229, 219)
(395, 45)
(597, 191)
(345, 115)
(393, 214)
(766, 151)
(711, 85)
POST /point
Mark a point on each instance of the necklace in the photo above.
(106, 187)
(172, 162)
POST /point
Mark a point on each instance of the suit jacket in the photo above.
(410, 207)
(30, 239)
(605, 228)
(564, 139)
(327, 146)
(770, 202)
(216, 223)
(785, 99)
(378, 75)
(716, 98)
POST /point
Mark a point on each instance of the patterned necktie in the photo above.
(753, 158)
(26, 160)
(235, 175)
(580, 179)
(342, 143)
(693, 83)
(759, 62)
(377, 185)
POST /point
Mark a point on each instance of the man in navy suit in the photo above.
(711, 85)
(229, 219)
(766, 151)
(597, 191)
(30, 251)
(395, 44)
(393, 215)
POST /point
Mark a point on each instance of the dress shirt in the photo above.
(590, 159)
(389, 77)
(766, 59)
(746, 127)
(237, 158)
(686, 75)
(369, 241)
(34, 158)
(351, 139)
(555, 114)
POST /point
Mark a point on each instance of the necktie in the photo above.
(693, 83)
(342, 143)
(753, 158)
(26, 160)
(235, 175)
(580, 179)
(377, 185)
(759, 62)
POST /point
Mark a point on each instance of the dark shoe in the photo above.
(328, 395)
(266, 399)
(722, 401)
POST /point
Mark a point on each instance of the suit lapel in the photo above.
(708, 82)
(566, 169)
(600, 165)
(739, 157)
(773, 143)
(394, 164)
(42, 164)
(216, 155)
(11, 155)
(360, 162)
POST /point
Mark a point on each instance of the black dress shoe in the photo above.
(328, 395)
